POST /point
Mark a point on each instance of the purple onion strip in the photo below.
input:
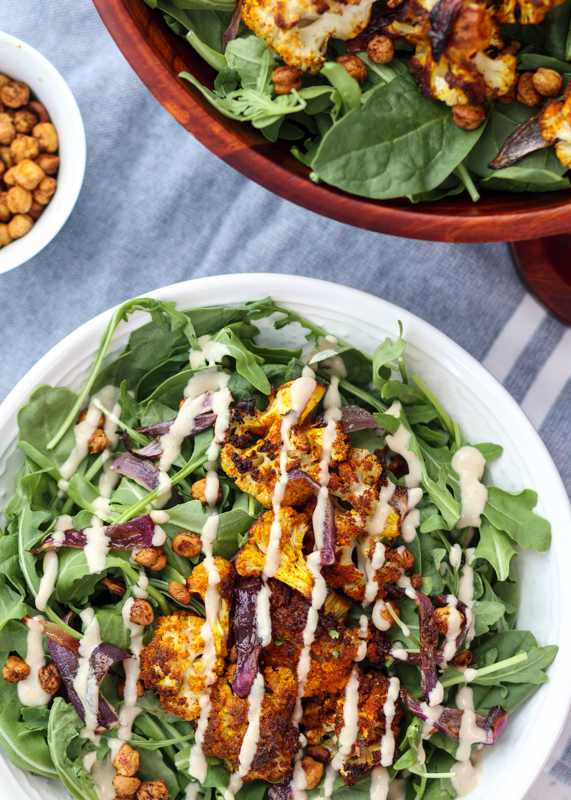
(248, 642)
(136, 534)
(355, 418)
(328, 549)
(154, 448)
(144, 473)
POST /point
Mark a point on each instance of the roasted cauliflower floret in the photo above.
(292, 568)
(527, 12)
(299, 30)
(279, 738)
(555, 121)
(197, 583)
(323, 721)
(172, 664)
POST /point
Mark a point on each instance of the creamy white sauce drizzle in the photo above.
(102, 772)
(389, 710)
(399, 443)
(197, 764)
(454, 620)
(160, 517)
(209, 351)
(469, 463)
(48, 579)
(97, 546)
(193, 792)
(132, 666)
(470, 732)
(84, 430)
(455, 556)
(30, 692)
(379, 783)
(412, 520)
(468, 773)
(84, 684)
(251, 737)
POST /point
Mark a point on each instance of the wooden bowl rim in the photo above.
(466, 222)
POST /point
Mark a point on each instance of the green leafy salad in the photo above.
(406, 98)
(231, 569)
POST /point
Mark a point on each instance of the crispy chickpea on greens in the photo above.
(249, 570)
(396, 98)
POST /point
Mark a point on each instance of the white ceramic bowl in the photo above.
(485, 411)
(21, 62)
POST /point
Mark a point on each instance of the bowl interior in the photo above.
(158, 56)
(486, 413)
(21, 62)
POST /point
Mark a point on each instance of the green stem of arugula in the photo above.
(462, 173)
(431, 774)
(59, 621)
(362, 395)
(116, 318)
(164, 606)
(153, 744)
(454, 680)
(444, 418)
(133, 434)
(191, 466)
(404, 628)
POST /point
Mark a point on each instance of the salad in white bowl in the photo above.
(254, 555)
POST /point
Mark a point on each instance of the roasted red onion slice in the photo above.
(154, 449)
(355, 418)
(144, 473)
(248, 642)
(449, 720)
(328, 549)
(136, 534)
(442, 17)
(524, 140)
(64, 650)
(281, 791)
(232, 29)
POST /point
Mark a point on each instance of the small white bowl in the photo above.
(21, 62)
(485, 411)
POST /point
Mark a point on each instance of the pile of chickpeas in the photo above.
(28, 160)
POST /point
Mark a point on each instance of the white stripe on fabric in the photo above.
(514, 338)
(549, 382)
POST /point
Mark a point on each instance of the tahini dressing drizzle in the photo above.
(84, 684)
(469, 463)
(30, 692)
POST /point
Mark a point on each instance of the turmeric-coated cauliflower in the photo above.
(526, 12)
(555, 121)
(299, 30)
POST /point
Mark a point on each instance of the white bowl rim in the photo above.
(291, 288)
(21, 250)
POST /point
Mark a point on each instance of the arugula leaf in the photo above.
(63, 728)
(513, 514)
(486, 613)
(384, 357)
(495, 546)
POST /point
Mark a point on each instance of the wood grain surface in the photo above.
(157, 55)
(545, 266)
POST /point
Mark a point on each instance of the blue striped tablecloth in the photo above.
(157, 208)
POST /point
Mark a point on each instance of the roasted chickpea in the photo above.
(416, 581)
(318, 753)
(187, 544)
(15, 94)
(285, 79)
(198, 492)
(49, 678)
(548, 82)
(4, 80)
(5, 214)
(9, 177)
(43, 194)
(39, 110)
(148, 556)
(468, 117)
(24, 147)
(7, 129)
(463, 659)
(126, 761)
(355, 67)
(19, 225)
(142, 612)
(47, 138)
(313, 771)
(48, 162)
(5, 156)
(160, 563)
(98, 441)
(24, 121)
(125, 785)
(19, 200)
(15, 669)
(526, 91)
(115, 585)
(5, 237)
(153, 790)
(179, 592)
(381, 50)
(28, 174)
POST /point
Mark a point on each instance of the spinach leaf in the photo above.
(39, 420)
(549, 36)
(400, 127)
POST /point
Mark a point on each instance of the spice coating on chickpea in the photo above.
(468, 117)
(126, 761)
(198, 492)
(24, 121)
(318, 753)
(46, 136)
(24, 147)
(19, 200)
(355, 67)
(5, 237)
(313, 772)
(179, 592)
(15, 669)
(115, 585)
(43, 194)
(98, 441)
(148, 556)
(15, 94)
(160, 563)
(142, 613)
(19, 225)
(187, 545)
(125, 785)
(49, 678)
(7, 129)
(48, 162)
(28, 174)
(286, 79)
(153, 790)
(381, 50)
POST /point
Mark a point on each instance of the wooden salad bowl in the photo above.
(158, 56)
